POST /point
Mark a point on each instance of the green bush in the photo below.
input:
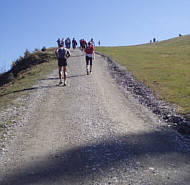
(22, 63)
(26, 53)
(6, 78)
(44, 48)
(36, 50)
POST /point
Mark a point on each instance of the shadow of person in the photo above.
(49, 79)
(29, 89)
(75, 76)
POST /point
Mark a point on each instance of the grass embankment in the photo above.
(163, 66)
(24, 74)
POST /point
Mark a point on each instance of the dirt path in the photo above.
(89, 132)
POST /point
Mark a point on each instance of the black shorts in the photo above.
(62, 62)
(88, 59)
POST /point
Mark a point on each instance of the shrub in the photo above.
(44, 48)
(21, 58)
(36, 49)
(26, 53)
(6, 78)
(23, 63)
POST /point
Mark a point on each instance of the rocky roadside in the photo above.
(146, 97)
(18, 113)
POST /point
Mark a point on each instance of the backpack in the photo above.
(62, 53)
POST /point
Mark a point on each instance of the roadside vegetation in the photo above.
(25, 72)
(163, 66)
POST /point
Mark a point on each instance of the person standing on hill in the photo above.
(62, 55)
(89, 50)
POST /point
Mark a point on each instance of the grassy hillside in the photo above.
(163, 66)
(26, 71)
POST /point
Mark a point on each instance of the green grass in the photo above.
(26, 79)
(163, 66)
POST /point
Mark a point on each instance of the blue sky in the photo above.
(30, 24)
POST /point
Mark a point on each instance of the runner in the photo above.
(80, 41)
(68, 43)
(89, 50)
(62, 55)
(92, 41)
(74, 43)
(58, 42)
(84, 44)
(62, 41)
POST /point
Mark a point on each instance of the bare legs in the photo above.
(62, 73)
(65, 74)
(87, 69)
(90, 68)
(60, 68)
(88, 59)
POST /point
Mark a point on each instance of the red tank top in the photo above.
(89, 50)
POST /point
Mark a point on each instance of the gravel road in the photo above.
(91, 132)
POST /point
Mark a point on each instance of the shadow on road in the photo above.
(73, 76)
(30, 89)
(76, 164)
(41, 87)
(49, 79)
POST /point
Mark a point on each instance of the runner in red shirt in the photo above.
(89, 50)
(83, 44)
